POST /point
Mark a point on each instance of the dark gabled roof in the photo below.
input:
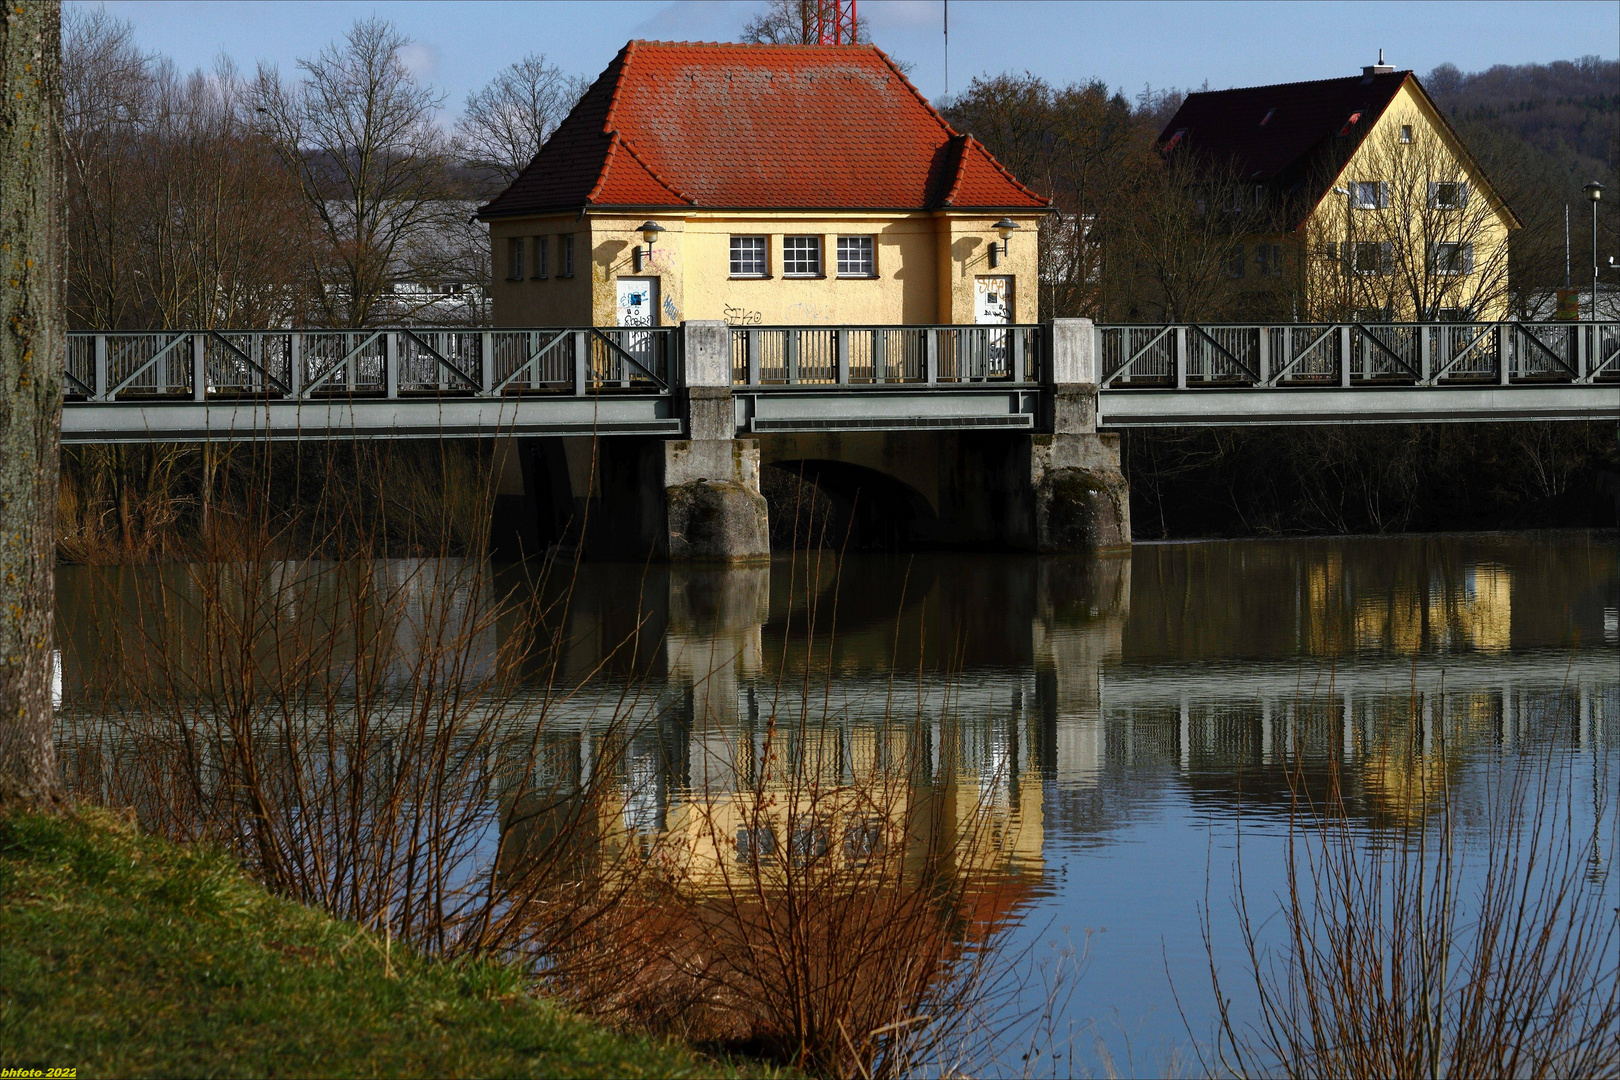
(758, 127)
(1305, 121)
(1296, 138)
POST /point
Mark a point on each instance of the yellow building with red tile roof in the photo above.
(788, 185)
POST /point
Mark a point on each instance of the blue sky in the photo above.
(1184, 44)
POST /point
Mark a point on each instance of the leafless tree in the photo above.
(504, 124)
(33, 348)
(180, 213)
(1408, 236)
(792, 22)
(359, 132)
(1184, 235)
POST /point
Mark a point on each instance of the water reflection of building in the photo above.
(1043, 704)
(1473, 611)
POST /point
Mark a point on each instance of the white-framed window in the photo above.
(1406, 133)
(1448, 195)
(1451, 259)
(1268, 260)
(855, 257)
(1234, 262)
(1370, 258)
(1452, 314)
(748, 256)
(1369, 194)
(801, 256)
(514, 259)
(541, 250)
(565, 255)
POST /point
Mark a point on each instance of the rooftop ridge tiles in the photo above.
(1003, 170)
(630, 148)
(1300, 82)
(602, 172)
(627, 53)
(958, 145)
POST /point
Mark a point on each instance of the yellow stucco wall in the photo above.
(926, 266)
(1488, 222)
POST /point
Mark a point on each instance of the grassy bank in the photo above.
(125, 955)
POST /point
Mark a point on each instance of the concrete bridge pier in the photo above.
(1080, 498)
(713, 509)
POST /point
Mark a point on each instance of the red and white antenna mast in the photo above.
(835, 22)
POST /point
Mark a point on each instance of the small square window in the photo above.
(1406, 133)
(1448, 196)
(565, 255)
(748, 256)
(1451, 259)
(1268, 259)
(855, 257)
(1368, 195)
(1234, 262)
(801, 256)
(1371, 258)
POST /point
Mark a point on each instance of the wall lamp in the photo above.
(649, 233)
(1004, 229)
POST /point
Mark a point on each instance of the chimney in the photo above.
(1379, 68)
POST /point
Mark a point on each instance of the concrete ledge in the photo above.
(1356, 405)
(367, 418)
(886, 409)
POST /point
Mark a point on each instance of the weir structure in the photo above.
(638, 441)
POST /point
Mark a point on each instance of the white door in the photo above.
(638, 301)
(992, 300)
(993, 306)
(638, 306)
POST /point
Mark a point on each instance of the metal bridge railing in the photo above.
(306, 364)
(1357, 354)
(868, 356)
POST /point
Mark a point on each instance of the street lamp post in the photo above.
(1594, 192)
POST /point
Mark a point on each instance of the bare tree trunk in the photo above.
(33, 347)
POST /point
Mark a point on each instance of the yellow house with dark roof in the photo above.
(1355, 194)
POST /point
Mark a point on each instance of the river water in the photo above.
(1136, 717)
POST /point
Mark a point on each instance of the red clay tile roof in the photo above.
(758, 127)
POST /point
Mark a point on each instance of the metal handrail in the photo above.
(304, 364)
(1348, 354)
(859, 357)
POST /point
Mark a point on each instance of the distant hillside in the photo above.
(1565, 104)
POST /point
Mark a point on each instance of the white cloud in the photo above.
(420, 59)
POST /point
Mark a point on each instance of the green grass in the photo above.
(125, 955)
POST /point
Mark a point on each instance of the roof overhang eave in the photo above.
(664, 208)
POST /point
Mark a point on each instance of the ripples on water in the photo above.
(1121, 716)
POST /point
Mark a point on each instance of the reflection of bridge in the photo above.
(992, 436)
